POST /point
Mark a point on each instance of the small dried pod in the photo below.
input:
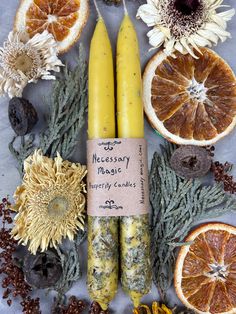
(22, 115)
(42, 270)
(191, 161)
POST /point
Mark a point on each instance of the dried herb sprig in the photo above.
(26, 148)
(67, 107)
(177, 204)
(71, 272)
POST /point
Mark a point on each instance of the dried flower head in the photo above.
(24, 60)
(185, 25)
(50, 202)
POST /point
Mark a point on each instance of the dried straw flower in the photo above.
(185, 25)
(50, 202)
(24, 60)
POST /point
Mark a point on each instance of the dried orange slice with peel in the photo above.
(64, 19)
(205, 271)
(190, 101)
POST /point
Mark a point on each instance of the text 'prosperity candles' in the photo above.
(134, 238)
(102, 259)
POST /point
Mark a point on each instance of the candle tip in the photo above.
(97, 9)
(125, 8)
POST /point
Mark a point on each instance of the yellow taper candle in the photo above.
(101, 108)
(134, 230)
(129, 83)
(102, 231)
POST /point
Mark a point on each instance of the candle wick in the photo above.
(125, 8)
(97, 9)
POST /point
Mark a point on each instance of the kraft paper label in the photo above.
(117, 180)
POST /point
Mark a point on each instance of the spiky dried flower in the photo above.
(50, 202)
(24, 60)
(185, 25)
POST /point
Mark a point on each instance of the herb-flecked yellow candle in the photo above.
(102, 231)
(134, 238)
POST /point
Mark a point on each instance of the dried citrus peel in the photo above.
(205, 273)
(190, 101)
(64, 19)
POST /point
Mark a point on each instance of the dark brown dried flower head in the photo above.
(187, 7)
(22, 115)
(191, 161)
(42, 270)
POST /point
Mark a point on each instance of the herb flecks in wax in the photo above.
(177, 204)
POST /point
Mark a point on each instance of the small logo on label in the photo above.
(108, 146)
(110, 204)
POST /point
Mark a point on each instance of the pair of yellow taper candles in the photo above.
(103, 256)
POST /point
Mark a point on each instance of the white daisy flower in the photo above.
(24, 60)
(185, 25)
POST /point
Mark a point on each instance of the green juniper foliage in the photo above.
(26, 148)
(67, 107)
(177, 205)
(70, 262)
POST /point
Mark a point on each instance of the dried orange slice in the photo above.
(65, 19)
(190, 101)
(205, 272)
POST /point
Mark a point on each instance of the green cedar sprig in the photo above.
(26, 148)
(71, 271)
(67, 107)
(177, 205)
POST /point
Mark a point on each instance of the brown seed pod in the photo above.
(42, 270)
(22, 115)
(191, 161)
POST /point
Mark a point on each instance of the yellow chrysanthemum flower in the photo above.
(50, 202)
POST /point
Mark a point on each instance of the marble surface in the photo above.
(9, 178)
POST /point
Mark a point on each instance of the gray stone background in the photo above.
(9, 178)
